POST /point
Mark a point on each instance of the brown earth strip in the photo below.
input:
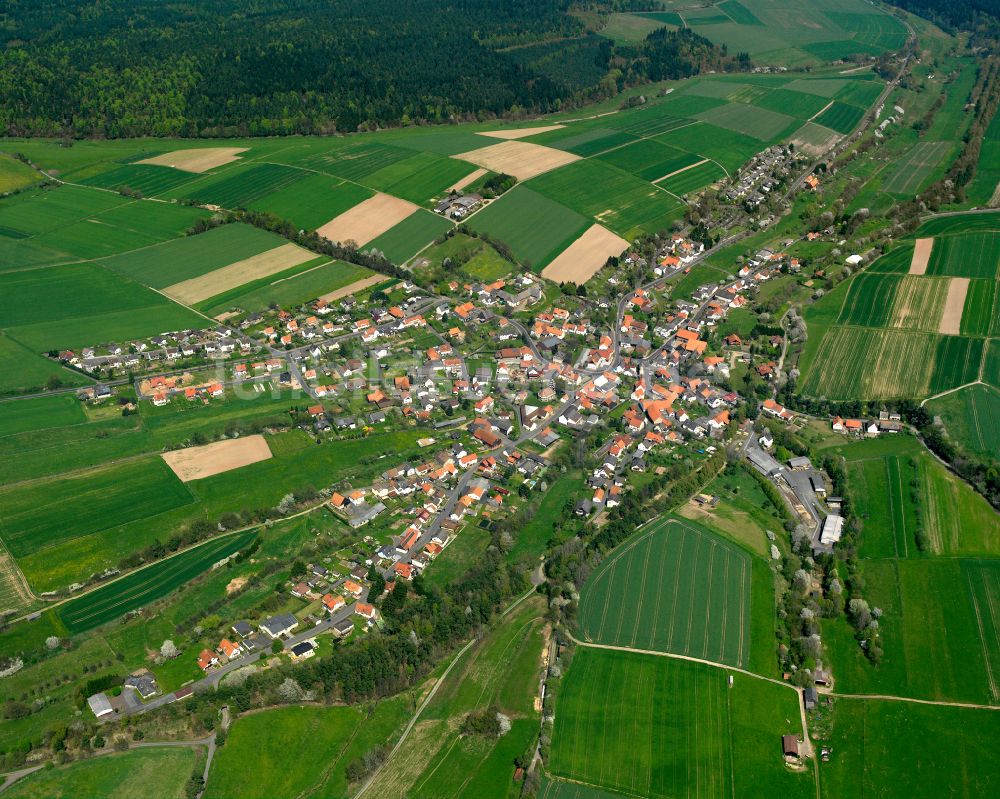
(682, 169)
(255, 267)
(921, 256)
(521, 159)
(197, 159)
(353, 288)
(584, 257)
(195, 463)
(518, 133)
(368, 220)
(954, 304)
(472, 177)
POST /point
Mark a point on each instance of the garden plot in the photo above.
(521, 159)
(584, 257)
(368, 220)
(193, 463)
(229, 277)
(197, 159)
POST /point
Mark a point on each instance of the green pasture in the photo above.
(324, 740)
(697, 177)
(533, 538)
(841, 117)
(961, 223)
(53, 208)
(970, 416)
(16, 175)
(57, 410)
(895, 750)
(161, 772)
(583, 140)
(759, 123)
(674, 587)
(239, 186)
(149, 179)
(906, 176)
(23, 371)
(649, 159)
(730, 148)
(643, 725)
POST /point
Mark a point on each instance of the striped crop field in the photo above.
(147, 585)
(855, 362)
(673, 588)
(966, 255)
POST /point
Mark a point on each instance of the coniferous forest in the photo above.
(123, 68)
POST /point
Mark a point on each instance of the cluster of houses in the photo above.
(887, 422)
(761, 175)
(164, 350)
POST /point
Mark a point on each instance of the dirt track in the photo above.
(518, 133)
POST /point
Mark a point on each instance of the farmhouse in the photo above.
(790, 747)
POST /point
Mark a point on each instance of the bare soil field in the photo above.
(367, 220)
(472, 177)
(195, 463)
(197, 159)
(352, 288)
(518, 133)
(951, 319)
(584, 257)
(921, 256)
(217, 281)
(521, 159)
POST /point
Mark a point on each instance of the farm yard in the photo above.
(662, 726)
(672, 588)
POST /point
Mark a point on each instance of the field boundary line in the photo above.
(913, 700)
(682, 169)
(820, 112)
(703, 661)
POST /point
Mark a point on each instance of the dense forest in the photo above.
(120, 68)
(980, 17)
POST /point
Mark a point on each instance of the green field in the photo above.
(841, 117)
(583, 140)
(23, 371)
(41, 515)
(147, 585)
(288, 289)
(420, 178)
(160, 772)
(966, 255)
(695, 178)
(649, 726)
(622, 202)
(241, 185)
(978, 318)
(193, 256)
(324, 740)
(855, 362)
(869, 300)
(939, 633)
(50, 209)
(58, 410)
(907, 175)
(313, 201)
(535, 227)
(649, 159)
(970, 417)
(15, 175)
(759, 123)
(414, 233)
(801, 105)
(893, 750)
(79, 304)
(149, 179)
(673, 588)
(729, 148)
